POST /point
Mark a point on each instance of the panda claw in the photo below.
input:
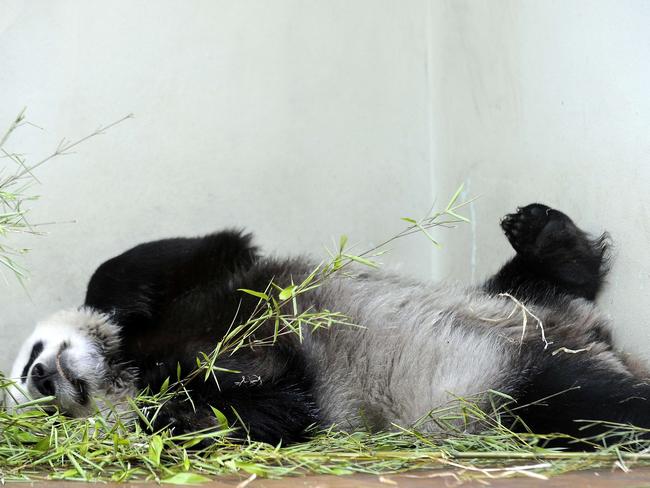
(523, 227)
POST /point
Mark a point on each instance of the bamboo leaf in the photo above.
(453, 199)
(186, 479)
(221, 418)
(257, 294)
(342, 242)
(155, 449)
(165, 386)
(287, 292)
(359, 259)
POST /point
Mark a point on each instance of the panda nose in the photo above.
(42, 379)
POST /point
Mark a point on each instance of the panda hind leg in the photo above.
(583, 397)
(554, 256)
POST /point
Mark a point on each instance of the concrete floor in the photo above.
(636, 478)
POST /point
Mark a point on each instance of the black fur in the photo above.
(566, 393)
(554, 257)
(36, 350)
(176, 297)
(135, 286)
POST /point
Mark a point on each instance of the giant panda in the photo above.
(418, 346)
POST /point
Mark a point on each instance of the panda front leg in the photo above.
(554, 257)
(272, 411)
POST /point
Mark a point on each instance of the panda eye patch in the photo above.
(36, 350)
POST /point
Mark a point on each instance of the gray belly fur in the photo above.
(421, 347)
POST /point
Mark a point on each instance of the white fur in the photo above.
(89, 339)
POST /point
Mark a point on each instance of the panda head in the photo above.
(73, 356)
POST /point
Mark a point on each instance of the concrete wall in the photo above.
(300, 120)
(548, 101)
(303, 120)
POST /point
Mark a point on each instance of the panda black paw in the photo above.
(553, 254)
(537, 231)
(181, 419)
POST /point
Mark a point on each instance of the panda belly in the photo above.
(416, 352)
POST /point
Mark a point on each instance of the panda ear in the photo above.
(100, 328)
(134, 286)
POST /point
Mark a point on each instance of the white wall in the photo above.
(303, 120)
(300, 120)
(549, 101)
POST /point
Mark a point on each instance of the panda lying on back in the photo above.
(161, 303)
